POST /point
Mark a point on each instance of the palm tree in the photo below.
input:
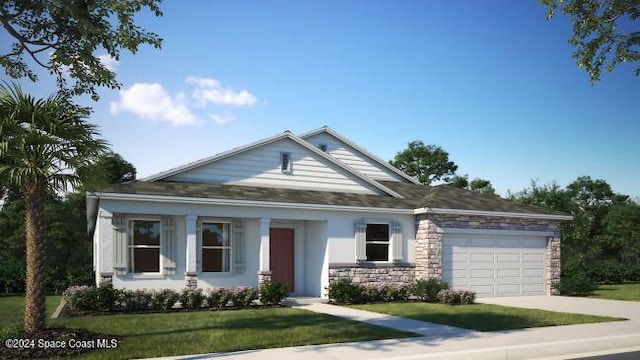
(42, 143)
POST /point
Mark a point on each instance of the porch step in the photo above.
(298, 301)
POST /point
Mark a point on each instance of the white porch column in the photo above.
(191, 244)
(265, 225)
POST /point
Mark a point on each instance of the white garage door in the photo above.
(494, 265)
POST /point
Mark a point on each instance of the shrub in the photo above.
(456, 297)
(243, 296)
(164, 299)
(272, 292)
(400, 292)
(191, 299)
(613, 272)
(428, 289)
(136, 300)
(343, 291)
(218, 298)
(89, 298)
(106, 297)
(576, 284)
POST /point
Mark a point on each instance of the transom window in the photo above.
(145, 246)
(216, 247)
(377, 242)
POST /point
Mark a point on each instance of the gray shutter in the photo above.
(396, 241)
(361, 240)
(237, 246)
(120, 244)
(168, 246)
(198, 246)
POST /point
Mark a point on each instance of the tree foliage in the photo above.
(603, 236)
(478, 185)
(602, 32)
(110, 168)
(64, 36)
(42, 143)
(427, 163)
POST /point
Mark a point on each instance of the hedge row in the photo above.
(429, 290)
(105, 298)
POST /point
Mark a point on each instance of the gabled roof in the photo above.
(285, 135)
(327, 130)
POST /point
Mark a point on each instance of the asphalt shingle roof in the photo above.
(415, 196)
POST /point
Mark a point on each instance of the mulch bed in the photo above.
(54, 343)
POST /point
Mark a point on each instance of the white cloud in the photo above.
(108, 62)
(211, 91)
(151, 101)
(222, 119)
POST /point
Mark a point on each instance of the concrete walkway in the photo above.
(446, 342)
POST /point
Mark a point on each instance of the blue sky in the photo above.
(492, 82)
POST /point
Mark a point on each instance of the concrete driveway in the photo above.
(614, 308)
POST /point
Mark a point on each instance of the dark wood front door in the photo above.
(281, 256)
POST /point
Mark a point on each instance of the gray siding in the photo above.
(350, 156)
(261, 167)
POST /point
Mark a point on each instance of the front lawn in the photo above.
(629, 292)
(194, 332)
(481, 317)
(12, 308)
(180, 333)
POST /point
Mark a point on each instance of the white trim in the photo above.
(428, 210)
(360, 149)
(131, 246)
(250, 203)
(200, 246)
(497, 232)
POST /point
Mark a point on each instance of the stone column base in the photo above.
(191, 281)
(106, 277)
(263, 276)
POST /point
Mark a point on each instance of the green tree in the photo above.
(622, 233)
(427, 163)
(110, 168)
(478, 185)
(64, 36)
(42, 143)
(599, 35)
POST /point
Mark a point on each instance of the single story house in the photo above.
(309, 209)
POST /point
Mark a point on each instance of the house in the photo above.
(309, 209)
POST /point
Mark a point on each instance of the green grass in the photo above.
(481, 317)
(180, 333)
(12, 308)
(629, 292)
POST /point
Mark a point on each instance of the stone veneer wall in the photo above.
(368, 273)
(428, 251)
(191, 281)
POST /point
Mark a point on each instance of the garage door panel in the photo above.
(508, 289)
(508, 257)
(481, 257)
(534, 273)
(533, 257)
(482, 289)
(532, 288)
(508, 273)
(494, 264)
(482, 273)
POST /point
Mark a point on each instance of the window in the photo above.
(377, 242)
(145, 246)
(216, 247)
(323, 147)
(285, 162)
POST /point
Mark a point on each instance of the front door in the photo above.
(281, 256)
